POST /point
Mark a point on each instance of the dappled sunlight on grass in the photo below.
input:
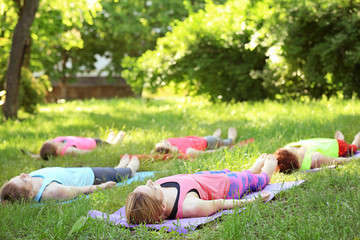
(148, 121)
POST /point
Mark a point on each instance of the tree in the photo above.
(17, 54)
(66, 17)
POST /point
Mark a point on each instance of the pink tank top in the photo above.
(78, 142)
(209, 186)
(183, 143)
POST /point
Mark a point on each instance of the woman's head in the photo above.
(49, 149)
(287, 160)
(19, 187)
(145, 204)
(163, 147)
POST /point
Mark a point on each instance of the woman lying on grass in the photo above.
(198, 195)
(71, 145)
(66, 183)
(195, 145)
(316, 152)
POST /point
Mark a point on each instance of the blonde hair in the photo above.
(11, 192)
(141, 208)
(48, 150)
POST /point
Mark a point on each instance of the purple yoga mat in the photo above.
(186, 225)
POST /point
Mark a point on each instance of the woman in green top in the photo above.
(315, 152)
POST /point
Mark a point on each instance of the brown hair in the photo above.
(287, 161)
(141, 208)
(162, 150)
(11, 192)
(48, 150)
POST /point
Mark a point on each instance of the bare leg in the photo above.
(256, 168)
(270, 165)
(133, 165)
(232, 133)
(124, 161)
(356, 141)
(339, 135)
(217, 133)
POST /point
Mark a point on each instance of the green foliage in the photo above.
(258, 49)
(129, 28)
(321, 48)
(213, 51)
(32, 90)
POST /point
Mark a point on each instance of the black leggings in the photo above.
(216, 142)
(100, 142)
(107, 174)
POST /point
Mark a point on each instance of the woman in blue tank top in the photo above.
(66, 183)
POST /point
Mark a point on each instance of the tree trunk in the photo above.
(12, 77)
(64, 77)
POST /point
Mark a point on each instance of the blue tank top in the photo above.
(82, 176)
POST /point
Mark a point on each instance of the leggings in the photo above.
(242, 183)
(107, 174)
(100, 142)
(215, 142)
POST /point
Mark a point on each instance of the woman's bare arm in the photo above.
(196, 207)
(318, 160)
(75, 151)
(60, 192)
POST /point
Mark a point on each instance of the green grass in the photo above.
(326, 206)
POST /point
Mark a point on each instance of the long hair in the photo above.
(162, 150)
(10, 192)
(48, 150)
(141, 208)
(287, 161)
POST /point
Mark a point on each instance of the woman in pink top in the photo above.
(71, 145)
(195, 145)
(198, 195)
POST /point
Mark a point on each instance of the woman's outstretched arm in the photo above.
(193, 206)
(318, 160)
(75, 151)
(60, 192)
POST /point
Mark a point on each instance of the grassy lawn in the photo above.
(326, 206)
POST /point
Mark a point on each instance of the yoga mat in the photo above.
(186, 225)
(138, 176)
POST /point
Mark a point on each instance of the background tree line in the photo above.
(229, 50)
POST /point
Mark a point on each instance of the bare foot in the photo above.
(232, 133)
(217, 133)
(339, 135)
(124, 161)
(357, 140)
(256, 168)
(110, 137)
(270, 165)
(133, 165)
(119, 137)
